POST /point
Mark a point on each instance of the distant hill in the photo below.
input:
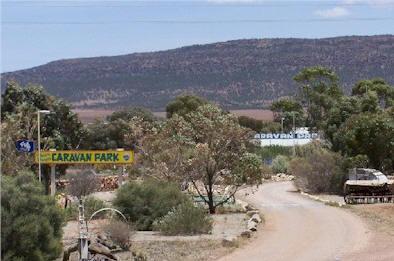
(237, 74)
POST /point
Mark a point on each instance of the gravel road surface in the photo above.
(299, 229)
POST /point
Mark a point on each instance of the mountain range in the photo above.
(237, 74)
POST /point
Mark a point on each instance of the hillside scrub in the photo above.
(143, 203)
(185, 219)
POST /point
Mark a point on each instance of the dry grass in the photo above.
(181, 250)
(380, 216)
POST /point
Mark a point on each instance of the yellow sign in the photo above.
(86, 157)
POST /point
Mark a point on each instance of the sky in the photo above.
(35, 32)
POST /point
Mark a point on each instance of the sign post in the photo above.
(85, 157)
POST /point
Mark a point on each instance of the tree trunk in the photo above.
(211, 204)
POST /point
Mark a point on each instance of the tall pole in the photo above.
(294, 135)
(39, 140)
(39, 146)
(282, 123)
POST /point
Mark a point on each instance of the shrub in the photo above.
(91, 205)
(144, 202)
(266, 171)
(280, 164)
(83, 183)
(185, 219)
(31, 222)
(318, 172)
(118, 232)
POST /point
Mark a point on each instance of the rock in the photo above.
(246, 234)
(229, 242)
(250, 213)
(256, 218)
(96, 248)
(252, 226)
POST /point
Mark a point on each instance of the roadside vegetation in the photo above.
(189, 155)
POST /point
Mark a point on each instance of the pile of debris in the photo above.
(282, 177)
(108, 183)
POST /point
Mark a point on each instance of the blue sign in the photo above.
(24, 146)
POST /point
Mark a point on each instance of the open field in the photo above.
(89, 115)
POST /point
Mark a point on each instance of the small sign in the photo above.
(86, 157)
(24, 146)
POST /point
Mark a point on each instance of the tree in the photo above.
(184, 104)
(215, 146)
(128, 114)
(122, 131)
(83, 183)
(284, 109)
(319, 89)
(383, 91)
(59, 130)
(370, 134)
(251, 123)
(31, 223)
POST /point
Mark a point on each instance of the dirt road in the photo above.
(299, 229)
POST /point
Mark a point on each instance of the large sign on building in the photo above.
(86, 157)
(300, 137)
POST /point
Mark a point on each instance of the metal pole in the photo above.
(39, 147)
(294, 135)
(83, 234)
(53, 181)
(282, 123)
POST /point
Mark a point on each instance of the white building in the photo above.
(301, 136)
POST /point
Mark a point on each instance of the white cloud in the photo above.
(334, 12)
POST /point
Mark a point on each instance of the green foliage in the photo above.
(370, 134)
(121, 132)
(185, 219)
(183, 105)
(130, 113)
(31, 223)
(91, 205)
(280, 164)
(270, 152)
(285, 109)
(247, 170)
(319, 89)
(269, 126)
(143, 203)
(59, 130)
(251, 123)
(201, 146)
(383, 91)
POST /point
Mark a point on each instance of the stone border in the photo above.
(325, 201)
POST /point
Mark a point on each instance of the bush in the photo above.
(144, 202)
(266, 171)
(280, 164)
(318, 172)
(83, 183)
(31, 222)
(91, 205)
(185, 219)
(118, 232)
